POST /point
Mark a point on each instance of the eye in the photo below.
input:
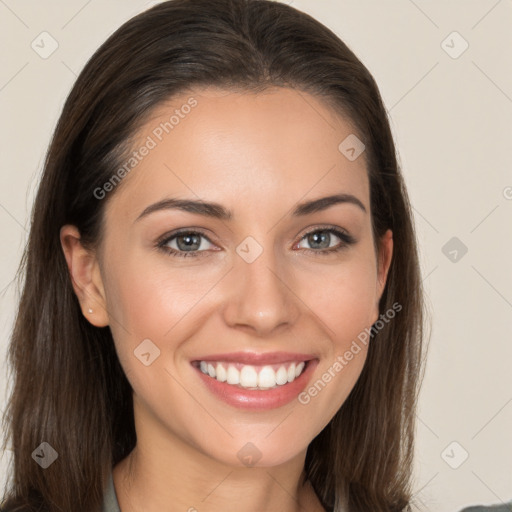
(185, 243)
(323, 242)
(190, 243)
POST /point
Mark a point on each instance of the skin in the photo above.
(257, 155)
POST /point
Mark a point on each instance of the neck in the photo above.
(146, 481)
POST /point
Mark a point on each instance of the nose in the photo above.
(260, 299)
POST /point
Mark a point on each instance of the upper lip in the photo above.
(253, 358)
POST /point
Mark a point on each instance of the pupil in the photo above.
(191, 242)
(319, 237)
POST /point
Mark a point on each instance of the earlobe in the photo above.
(85, 276)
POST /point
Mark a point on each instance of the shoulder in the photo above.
(506, 507)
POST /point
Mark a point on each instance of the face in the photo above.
(254, 284)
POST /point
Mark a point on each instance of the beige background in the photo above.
(451, 116)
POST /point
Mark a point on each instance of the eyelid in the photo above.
(176, 232)
(322, 227)
(173, 233)
(346, 239)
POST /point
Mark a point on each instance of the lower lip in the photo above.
(256, 399)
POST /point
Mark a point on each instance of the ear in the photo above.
(383, 265)
(85, 276)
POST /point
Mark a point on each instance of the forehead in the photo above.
(252, 148)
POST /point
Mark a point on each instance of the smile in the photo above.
(252, 377)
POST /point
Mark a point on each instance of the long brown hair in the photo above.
(69, 387)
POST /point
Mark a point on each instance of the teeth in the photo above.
(221, 374)
(248, 377)
(267, 377)
(253, 377)
(233, 375)
(291, 373)
(282, 376)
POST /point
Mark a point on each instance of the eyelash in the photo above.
(346, 241)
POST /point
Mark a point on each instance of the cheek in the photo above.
(345, 302)
(158, 304)
(344, 297)
(146, 312)
(150, 302)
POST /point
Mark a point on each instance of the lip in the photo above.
(258, 400)
(256, 359)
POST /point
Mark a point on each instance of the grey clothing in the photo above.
(110, 503)
(506, 507)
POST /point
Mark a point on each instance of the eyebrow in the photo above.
(217, 211)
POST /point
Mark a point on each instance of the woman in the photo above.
(222, 305)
